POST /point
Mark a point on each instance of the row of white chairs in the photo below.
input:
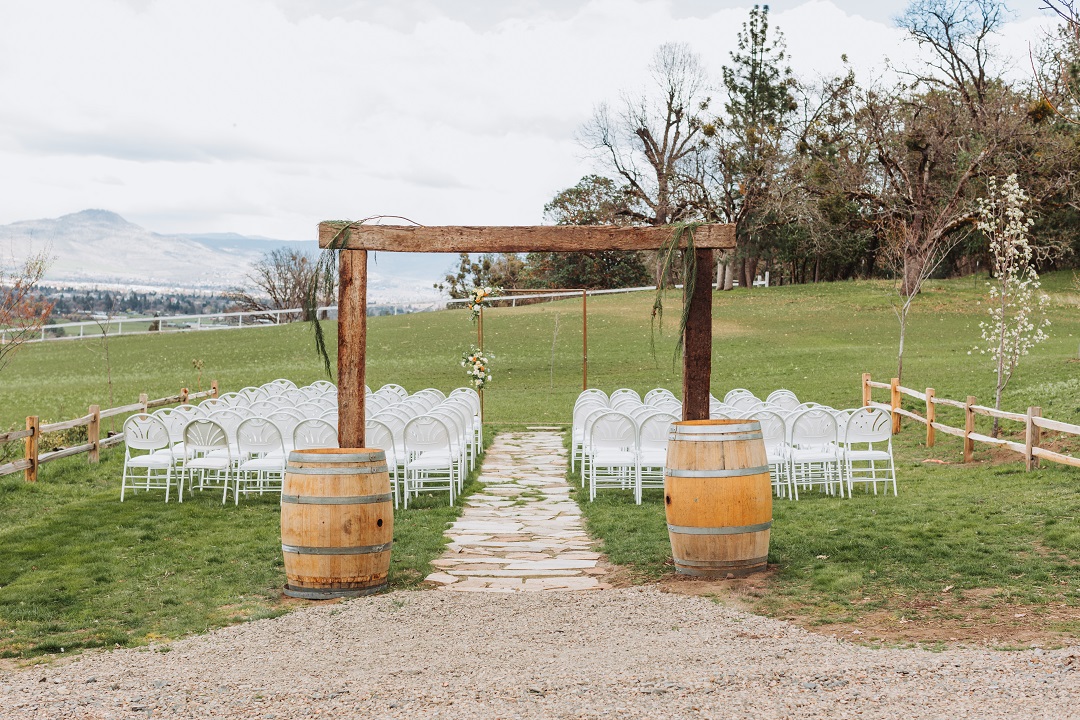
(808, 444)
(592, 402)
(432, 440)
(212, 452)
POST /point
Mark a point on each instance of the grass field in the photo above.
(960, 545)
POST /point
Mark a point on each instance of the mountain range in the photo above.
(99, 247)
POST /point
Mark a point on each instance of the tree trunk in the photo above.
(914, 264)
(751, 271)
(742, 273)
(729, 272)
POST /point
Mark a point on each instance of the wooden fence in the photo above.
(31, 436)
(1034, 423)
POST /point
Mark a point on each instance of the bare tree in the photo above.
(23, 311)
(281, 280)
(648, 140)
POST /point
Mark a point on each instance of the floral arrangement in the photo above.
(477, 366)
(478, 297)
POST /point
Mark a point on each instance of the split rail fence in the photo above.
(31, 436)
(1034, 423)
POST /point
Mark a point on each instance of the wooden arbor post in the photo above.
(355, 239)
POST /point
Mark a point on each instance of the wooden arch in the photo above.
(355, 240)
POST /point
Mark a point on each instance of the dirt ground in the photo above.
(975, 618)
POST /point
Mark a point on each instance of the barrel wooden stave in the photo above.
(719, 519)
(342, 505)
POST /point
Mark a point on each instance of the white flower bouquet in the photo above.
(477, 367)
(478, 297)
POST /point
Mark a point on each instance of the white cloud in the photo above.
(264, 118)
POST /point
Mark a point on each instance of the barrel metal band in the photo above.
(340, 500)
(301, 456)
(718, 570)
(719, 563)
(717, 429)
(735, 472)
(365, 470)
(355, 550)
(715, 438)
(734, 530)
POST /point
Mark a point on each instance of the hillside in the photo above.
(99, 247)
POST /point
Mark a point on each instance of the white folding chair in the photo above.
(262, 457)
(378, 435)
(429, 457)
(149, 438)
(312, 433)
(774, 435)
(866, 428)
(815, 454)
(784, 398)
(206, 456)
(652, 452)
(612, 455)
(732, 394)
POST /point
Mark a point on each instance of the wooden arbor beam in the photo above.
(354, 240)
(492, 239)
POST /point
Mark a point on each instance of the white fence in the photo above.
(261, 318)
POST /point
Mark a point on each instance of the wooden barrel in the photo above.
(718, 497)
(337, 522)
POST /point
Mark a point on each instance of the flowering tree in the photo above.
(22, 311)
(1014, 326)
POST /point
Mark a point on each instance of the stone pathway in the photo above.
(522, 532)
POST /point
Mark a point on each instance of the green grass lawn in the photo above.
(80, 569)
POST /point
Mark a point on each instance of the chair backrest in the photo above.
(773, 428)
(228, 419)
(654, 431)
(783, 398)
(868, 425)
(396, 423)
(228, 398)
(744, 403)
(732, 394)
(286, 421)
(813, 428)
(592, 393)
(395, 388)
(252, 394)
(203, 435)
(279, 385)
(209, 405)
(173, 421)
(669, 405)
(613, 429)
(146, 432)
(657, 394)
(262, 408)
(312, 433)
(324, 385)
(433, 392)
(640, 412)
(624, 391)
(378, 434)
(258, 436)
(590, 418)
(310, 409)
(425, 433)
(330, 416)
(625, 401)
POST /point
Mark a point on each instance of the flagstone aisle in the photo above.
(522, 532)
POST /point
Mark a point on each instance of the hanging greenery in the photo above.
(324, 279)
(669, 254)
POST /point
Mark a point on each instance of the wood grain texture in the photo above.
(336, 526)
(533, 238)
(352, 346)
(715, 501)
(697, 343)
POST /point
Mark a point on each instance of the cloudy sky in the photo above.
(267, 116)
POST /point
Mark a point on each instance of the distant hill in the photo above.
(101, 247)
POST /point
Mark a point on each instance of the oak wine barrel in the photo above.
(718, 497)
(337, 522)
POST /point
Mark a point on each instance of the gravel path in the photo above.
(624, 653)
